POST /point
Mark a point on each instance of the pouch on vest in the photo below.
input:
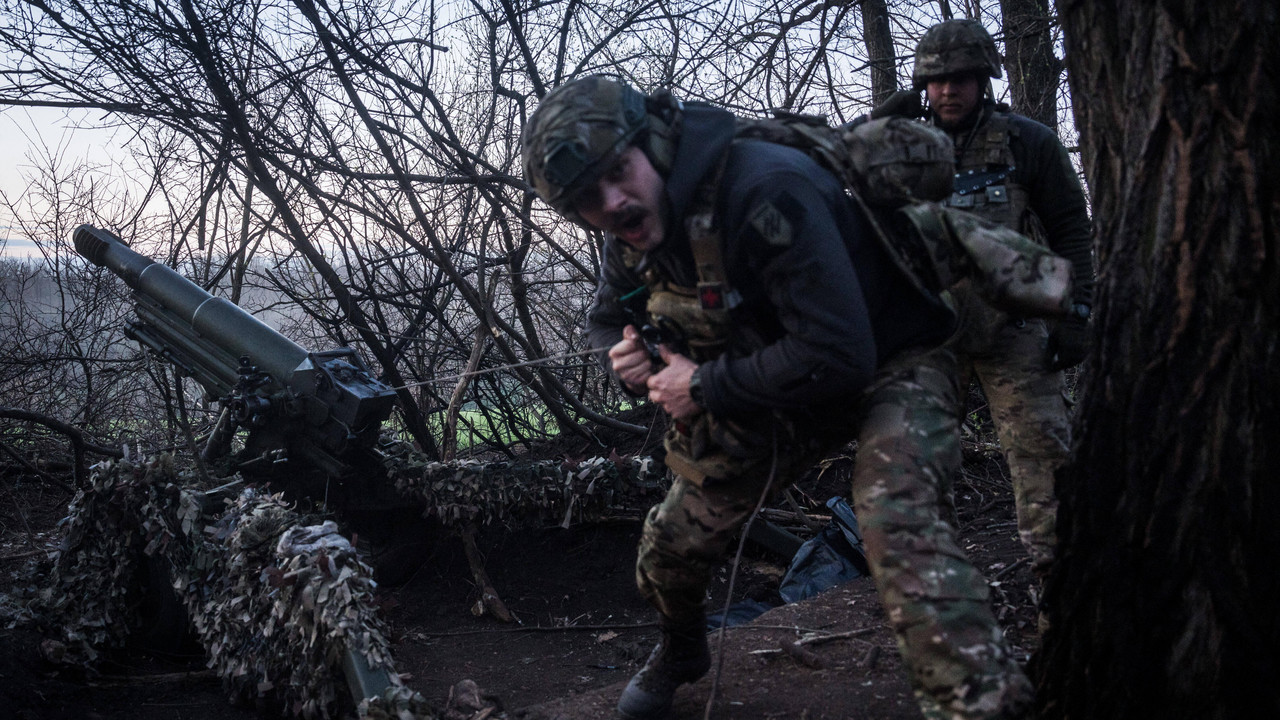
(699, 328)
(709, 448)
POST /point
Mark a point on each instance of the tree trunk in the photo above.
(1164, 602)
(880, 53)
(1028, 57)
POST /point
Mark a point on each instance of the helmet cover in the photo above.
(576, 133)
(955, 47)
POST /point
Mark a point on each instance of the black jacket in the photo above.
(823, 305)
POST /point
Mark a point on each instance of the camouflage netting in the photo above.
(279, 603)
(279, 600)
(275, 601)
(526, 494)
(93, 597)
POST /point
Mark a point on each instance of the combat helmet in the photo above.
(579, 130)
(953, 47)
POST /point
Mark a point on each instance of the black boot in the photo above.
(681, 657)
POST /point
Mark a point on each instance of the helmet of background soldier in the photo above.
(955, 47)
(580, 129)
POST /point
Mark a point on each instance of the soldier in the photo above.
(1013, 171)
(787, 331)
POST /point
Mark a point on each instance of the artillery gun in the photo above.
(317, 406)
(312, 421)
(321, 407)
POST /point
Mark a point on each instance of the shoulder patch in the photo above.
(772, 224)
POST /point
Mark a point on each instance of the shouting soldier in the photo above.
(786, 331)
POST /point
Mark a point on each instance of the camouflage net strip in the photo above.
(275, 602)
(526, 494)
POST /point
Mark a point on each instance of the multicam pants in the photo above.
(936, 600)
(1007, 358)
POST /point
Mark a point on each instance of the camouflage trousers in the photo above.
(1007, 358)
(936, 600)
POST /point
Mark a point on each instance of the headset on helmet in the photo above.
(955, 47)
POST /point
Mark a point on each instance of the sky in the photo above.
(26, 135)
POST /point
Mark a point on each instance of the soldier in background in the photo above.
(788, 331)
(1014, 171)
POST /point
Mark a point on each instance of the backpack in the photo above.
(898, 171)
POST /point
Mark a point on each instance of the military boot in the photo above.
(681, 657)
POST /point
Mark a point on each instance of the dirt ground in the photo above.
(581, 629)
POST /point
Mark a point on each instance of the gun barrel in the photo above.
(319, 405)
(220, 323)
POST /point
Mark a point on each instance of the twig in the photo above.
(125, 680)
(489, 600)
(31, 534)
(35, 470)
(792, 628)
(733, 576)
(805, 657)
(815, 639)
(1019, 563)
(79, 446)
(512, 366)
(810, 523)
(185, 423)
(25, 555)
(795, 648)
(538, 628)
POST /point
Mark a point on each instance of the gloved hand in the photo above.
(1068, 343)
(903, 103)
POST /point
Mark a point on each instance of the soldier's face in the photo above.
(627, 201)
(953, 98)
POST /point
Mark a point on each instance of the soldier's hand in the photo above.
(630, 360)
(1068, 343)
(670, 386)
(903, 103)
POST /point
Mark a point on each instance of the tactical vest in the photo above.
(984, 180)
(934, 247)
(931, 245)
(891, 161)
(696, 319)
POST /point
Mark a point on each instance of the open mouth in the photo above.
(630, 221)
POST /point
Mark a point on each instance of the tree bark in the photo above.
(1028, 58)
(880, 53)
(1163, 603)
